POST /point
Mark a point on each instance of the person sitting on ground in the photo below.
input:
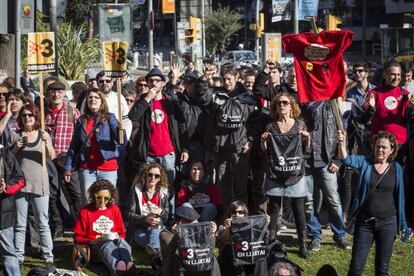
(148, 208)
(282, 269)
(199, 191)
(100, 227)
(236, 209)
(171, 264)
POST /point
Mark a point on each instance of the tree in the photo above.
(221, 24)
(7, 50)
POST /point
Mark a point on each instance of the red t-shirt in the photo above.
(160, 139)
(92, 223)
(390, 108)
(320, 72)
(95, 159)
(198, 200)
(149, 203)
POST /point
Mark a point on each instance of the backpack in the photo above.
(230, 115)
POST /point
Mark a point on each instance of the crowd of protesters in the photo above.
(195, 148)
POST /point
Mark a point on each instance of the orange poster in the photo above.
(168, 6)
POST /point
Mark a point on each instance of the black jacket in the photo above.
(14, 178)
(195, 115)
(141, 112)
(216, 140)
(320, 115)
(135, 218)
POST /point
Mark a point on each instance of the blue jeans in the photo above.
(144, 236)
(209, 212)
(383, 232)
(40, 205)
(88, 177)
(113, 251)
(8, 253)
(320, 178)
(167, 162)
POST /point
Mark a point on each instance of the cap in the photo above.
(57, 85)
(186, 213)
(155, 72)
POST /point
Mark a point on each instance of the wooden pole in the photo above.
(121, 131)
(313, 24)
(42, 119)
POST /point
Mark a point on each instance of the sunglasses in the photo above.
(130, 100)
(142, 85)
(103, 81)
(3, 94)
(283, 103)
(153, 175)
(27, 115)
(104, 198)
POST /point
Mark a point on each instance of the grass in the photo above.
(401, 262)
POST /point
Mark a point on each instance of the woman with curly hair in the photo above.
(94, 143)
(285, 113)
(148, 207)
(100, 226)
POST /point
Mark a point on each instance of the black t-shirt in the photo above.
(381, 203)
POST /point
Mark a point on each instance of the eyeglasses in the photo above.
(153, 175)
(359, 71)
(142, 85)
(30, 115)
(104, 198)
(285, 103)
(103, 81)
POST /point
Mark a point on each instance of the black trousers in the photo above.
(298, 208)
(72, 192)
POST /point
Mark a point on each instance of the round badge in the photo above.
(309, 66)
(390, 103)
(157, 116)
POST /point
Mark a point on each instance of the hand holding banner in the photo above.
(41, 55)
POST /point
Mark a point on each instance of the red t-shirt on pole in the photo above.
(320, 72)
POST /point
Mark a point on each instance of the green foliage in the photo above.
(77, 11)
(75, 51)
(221, 24)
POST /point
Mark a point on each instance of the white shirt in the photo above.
(112, 101)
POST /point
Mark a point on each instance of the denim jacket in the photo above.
(106, 134)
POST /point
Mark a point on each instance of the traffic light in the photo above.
(189, 36)
(260, 26)
(195, 23)
(332, 22)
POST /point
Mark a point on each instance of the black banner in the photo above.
(284, 155)
(195, 246)
(249, 239)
